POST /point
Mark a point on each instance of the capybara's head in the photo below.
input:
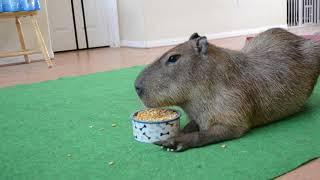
(169, 80)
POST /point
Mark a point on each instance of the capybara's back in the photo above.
(285, 68)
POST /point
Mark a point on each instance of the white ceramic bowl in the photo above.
(150, 132)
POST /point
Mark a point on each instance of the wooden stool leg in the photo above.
(41, 42)
(21, 39)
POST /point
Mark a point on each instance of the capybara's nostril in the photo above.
(138, 90)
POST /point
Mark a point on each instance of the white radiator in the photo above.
(303, 12)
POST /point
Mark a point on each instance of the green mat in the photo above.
(62, 129)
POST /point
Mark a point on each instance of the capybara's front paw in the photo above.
(172, 145)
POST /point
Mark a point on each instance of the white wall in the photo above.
(131, 20)
(172, 21)
(9, 38)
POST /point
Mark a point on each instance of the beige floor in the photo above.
(77, 63)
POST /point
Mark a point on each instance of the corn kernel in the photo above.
(156, 115)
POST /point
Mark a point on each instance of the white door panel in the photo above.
(97, 22)
(79, 24)
(61, 25)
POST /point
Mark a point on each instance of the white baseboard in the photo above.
(210, 36)
(242, 32)
(18, 59)
(137, 44)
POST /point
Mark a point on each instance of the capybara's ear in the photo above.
(202, 46)
(194, 36)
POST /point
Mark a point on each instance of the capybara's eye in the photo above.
(173, 58)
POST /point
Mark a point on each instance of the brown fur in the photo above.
(225, 93)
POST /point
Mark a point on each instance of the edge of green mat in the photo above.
(298, 166)
(76, 76)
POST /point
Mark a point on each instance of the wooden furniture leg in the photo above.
(24, 51)
(21, 39)
(41, 42)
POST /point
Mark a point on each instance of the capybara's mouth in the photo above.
(150, 103)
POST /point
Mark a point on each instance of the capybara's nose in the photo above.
(138, 89)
